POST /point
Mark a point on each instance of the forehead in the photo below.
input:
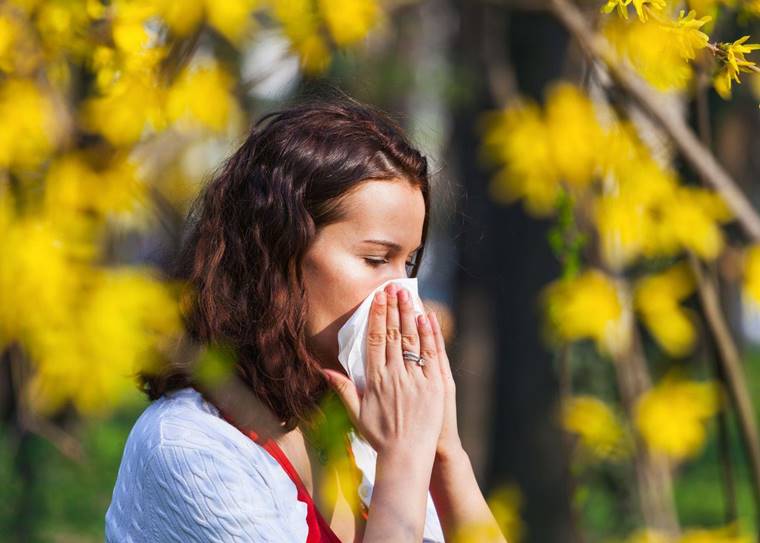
(393, 209)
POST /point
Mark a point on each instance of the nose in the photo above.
(398, 272)
(392, 278)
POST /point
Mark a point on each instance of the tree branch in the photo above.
(700, 158)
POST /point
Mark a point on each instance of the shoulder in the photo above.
(181, 417)
(185, 468)
(183, 420)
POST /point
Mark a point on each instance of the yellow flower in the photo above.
(574, 134)
(128, 24)
(623, 228)
(689, 218)
(622, 149)
(597, 426)
(29, 131)
(64, 27)
(505, 503)
(656, 298)
(9, 30)
(340, 488)
(590, 306)
(301, 24)
(232, 17)
(130, 36)
(643, 7)
(671, 416)
(711, 203)
(118, 329)
(19, 53)
(126, 109)
(518, 137)
(751, 272)
(735, 53)
(727, 534)
(203, 97)
(305, 23)
(686, 31)
(644, 212)
(130, 98)
(36, 269)
(734, 63)
(628, 215)
(349, 20)
(722, 83)
(659, 50)
(620, 5)
(73, 187)
(181, 17)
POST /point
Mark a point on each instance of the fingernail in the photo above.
(380, 297)
(403, 295)
(421, 320)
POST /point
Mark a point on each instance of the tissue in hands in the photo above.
(352, 354)
(352, 336)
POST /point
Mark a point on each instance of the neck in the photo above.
(245, 410)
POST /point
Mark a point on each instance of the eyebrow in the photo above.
(390, 244)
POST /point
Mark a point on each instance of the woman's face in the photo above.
(343, 265)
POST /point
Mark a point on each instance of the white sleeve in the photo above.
(201, 495)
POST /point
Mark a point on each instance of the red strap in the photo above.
(319, 530)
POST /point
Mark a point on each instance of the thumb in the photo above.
(346, 391)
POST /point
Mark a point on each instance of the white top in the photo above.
(187, 475)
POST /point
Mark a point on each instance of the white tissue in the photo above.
(352, 354)
(352, 336)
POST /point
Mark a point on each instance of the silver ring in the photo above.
(413, 357)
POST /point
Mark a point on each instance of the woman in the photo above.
(321, 204)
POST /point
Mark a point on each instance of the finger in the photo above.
(428, 349)
(392, 330)
(376, 335)
(410, 339)
(440, 343)
(346, 391)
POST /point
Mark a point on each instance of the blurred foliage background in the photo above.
(594, 251)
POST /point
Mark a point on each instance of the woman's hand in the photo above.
(403, 403)
(449, 444)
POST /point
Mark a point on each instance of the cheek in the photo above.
(336, 288)
(350, 283)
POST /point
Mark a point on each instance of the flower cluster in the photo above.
(640, 208)
(660, 45)
(107, 106)
(734, 63)
(624, 221)
(672, 416)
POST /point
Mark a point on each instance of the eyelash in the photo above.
(375, 263)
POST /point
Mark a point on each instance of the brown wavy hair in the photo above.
(250, 227)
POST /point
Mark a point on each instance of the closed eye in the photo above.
(379, 262)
